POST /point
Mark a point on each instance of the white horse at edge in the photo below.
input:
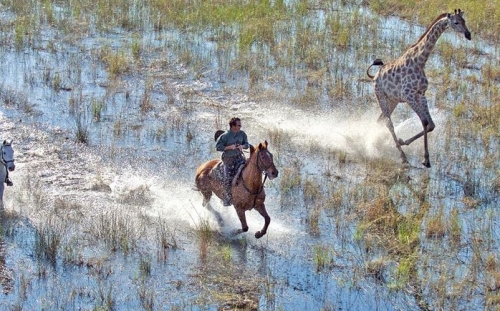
(7, 160)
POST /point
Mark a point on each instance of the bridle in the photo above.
(4, 161)
(260, 164)
(263, 169)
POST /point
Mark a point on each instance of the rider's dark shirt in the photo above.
(231, 138)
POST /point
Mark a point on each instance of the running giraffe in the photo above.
(404, 80)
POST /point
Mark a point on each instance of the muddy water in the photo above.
(138, 167)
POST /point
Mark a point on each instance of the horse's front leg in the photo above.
(261, 208)
(241, 215)
(1, 195)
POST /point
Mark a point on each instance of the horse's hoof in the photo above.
(259, 234)
(401, 142)
(426, 164)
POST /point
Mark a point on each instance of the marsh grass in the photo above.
(436, 228)
(47, 241)
(228, 282)
(290, 178)
(323, 257)
(97, 107)
(81, 128)
(270, 60)
(278, 138)
(136, 47)
(146, 296)
(205, 238)
(146, 104)
(11, 98)
(165, 239)
(33, 192)
(116, 231)
(376, 268)
(144, 266)
(116, 62)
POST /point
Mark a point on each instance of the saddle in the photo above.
(218, 173)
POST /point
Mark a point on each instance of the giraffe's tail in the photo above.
(377, 62)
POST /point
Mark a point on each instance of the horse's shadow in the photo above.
(218, 216)
(220, 221)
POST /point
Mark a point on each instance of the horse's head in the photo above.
(265, 161)
(7, 155)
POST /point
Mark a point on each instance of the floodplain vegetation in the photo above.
(431, 235)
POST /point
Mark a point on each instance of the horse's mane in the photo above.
(252, 150)
(429, 28)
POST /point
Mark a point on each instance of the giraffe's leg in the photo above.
(387, 108)
(430, 126)
(419, 105)
(390, 126)
(426, 162)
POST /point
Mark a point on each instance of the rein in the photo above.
(262, 186)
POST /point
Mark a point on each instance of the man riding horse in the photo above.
(231, 143)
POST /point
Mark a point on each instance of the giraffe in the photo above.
(404, 80)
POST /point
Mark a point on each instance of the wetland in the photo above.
(113, 104)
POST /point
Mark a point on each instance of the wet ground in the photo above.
(115, 223)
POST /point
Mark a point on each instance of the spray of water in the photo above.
(361, 136)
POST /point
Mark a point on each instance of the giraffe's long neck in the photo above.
(422, 49)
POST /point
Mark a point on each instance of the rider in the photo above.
(231, 143)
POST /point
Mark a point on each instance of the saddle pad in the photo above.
(218, 172)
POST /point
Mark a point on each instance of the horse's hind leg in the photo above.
(267, 220)
(207, 195)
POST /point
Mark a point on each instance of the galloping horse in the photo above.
(248, 192)
(7, 159)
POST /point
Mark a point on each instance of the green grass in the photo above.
(323, 257)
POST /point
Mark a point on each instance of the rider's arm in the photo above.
(221, 143)
(244, 142)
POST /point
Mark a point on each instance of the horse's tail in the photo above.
(203, 172)
(217, 134)
(197, 179)
(377, 62)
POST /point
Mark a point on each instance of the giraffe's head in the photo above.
(457, 23)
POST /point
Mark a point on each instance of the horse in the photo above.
(7, 160)
(248, 189)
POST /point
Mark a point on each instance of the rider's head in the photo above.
(235, 122)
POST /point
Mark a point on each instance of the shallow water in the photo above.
(138, 170)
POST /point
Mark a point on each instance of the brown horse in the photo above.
(248, 192)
